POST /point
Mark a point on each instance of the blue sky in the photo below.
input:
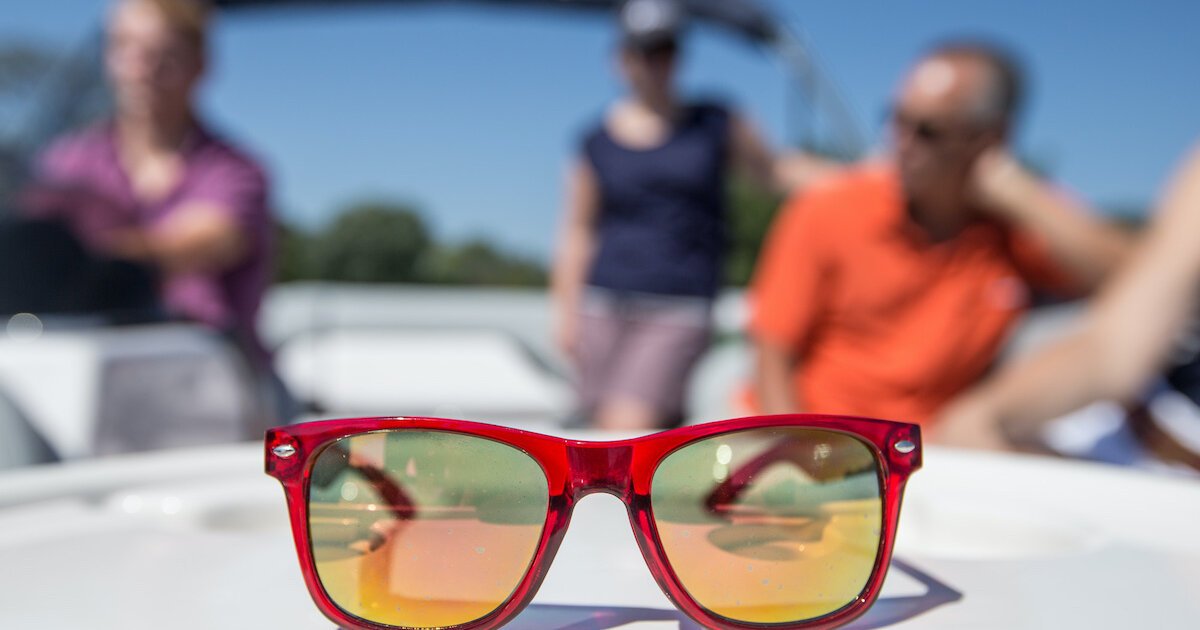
(472, 113)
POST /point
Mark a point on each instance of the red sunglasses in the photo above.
(770, 522)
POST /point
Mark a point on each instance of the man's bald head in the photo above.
(993, 77)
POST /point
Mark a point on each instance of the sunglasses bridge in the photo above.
(598, 468)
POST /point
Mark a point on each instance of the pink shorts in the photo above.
(641, 347)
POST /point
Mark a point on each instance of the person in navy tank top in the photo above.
(641, 254)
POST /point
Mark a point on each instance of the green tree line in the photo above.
(387, 242)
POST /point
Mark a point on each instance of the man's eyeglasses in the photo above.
(786, 521)
(929, 131)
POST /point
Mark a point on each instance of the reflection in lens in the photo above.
(770, 525)
(424, 529)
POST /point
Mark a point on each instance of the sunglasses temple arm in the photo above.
(791, 451)
(395, 497)
(397, 500)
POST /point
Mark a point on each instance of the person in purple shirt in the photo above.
(161, 188)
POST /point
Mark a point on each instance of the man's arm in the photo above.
(1125, 339)
(200, 237)
(1087, 247)
(775, 369)
(209, 232)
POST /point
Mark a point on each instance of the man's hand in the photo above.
(969, 423)
(1002, 185)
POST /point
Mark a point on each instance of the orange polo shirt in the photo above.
(883, 321)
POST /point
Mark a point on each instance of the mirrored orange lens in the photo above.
(424, 529)
(771, 525)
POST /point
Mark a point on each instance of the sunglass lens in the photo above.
(424, 529)
(772, 525)
(922, 129)
(927, 132)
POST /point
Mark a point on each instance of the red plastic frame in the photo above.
(577, 468)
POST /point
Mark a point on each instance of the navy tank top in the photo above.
(661, 225)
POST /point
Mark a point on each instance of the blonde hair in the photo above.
(188, 18)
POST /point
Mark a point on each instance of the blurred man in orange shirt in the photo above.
(888, 289)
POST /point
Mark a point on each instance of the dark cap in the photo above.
(651, 23)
